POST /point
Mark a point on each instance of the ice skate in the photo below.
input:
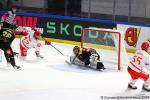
(38, 55)
(132, 87)
(17, 67)
(146, 88)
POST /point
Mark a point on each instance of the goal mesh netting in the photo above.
(109, 44)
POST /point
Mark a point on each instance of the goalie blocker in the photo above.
(87, 57)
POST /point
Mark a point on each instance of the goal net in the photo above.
(109, 44)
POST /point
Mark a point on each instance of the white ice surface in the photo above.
(53, 79)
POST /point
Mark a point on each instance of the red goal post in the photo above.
(118, 40)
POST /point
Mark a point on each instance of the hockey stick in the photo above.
(65, 56)
(57, 50)
(71, 62)
(55, 47)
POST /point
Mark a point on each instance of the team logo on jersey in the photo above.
(131, 36)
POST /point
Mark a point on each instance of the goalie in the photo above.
(87, 57)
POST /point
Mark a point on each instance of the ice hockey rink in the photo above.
(52, 78)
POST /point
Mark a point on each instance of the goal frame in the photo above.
(103, 31)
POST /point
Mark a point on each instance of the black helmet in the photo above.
(14, 7)
(76, 50)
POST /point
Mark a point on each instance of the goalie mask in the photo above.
(93, 51)
(76, 50)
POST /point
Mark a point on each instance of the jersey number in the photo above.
(7, 34)
(137, 60)
(25, 40)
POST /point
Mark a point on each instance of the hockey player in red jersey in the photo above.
(138, 67)
(87, 57)
(30, 41)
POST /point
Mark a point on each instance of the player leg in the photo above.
(23, 52)
(37, 51)
(10, 57)
(146, 78)
(134, 77)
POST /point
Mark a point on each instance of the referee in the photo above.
(8, 19)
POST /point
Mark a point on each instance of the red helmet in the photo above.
(145, 46)
(37, 34)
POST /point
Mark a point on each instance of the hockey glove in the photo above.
(47, 43)
(100, 66)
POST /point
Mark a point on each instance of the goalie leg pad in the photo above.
(76, 61)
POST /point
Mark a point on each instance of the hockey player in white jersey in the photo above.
(138, 67)
(87, 57)
(30, 41)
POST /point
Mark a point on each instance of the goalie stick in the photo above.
(65, 56)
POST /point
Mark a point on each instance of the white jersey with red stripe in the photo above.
(29, 41)
(140, 61)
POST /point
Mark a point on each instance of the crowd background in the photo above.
(118, 10)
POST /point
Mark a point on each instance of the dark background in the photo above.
(137, 11)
